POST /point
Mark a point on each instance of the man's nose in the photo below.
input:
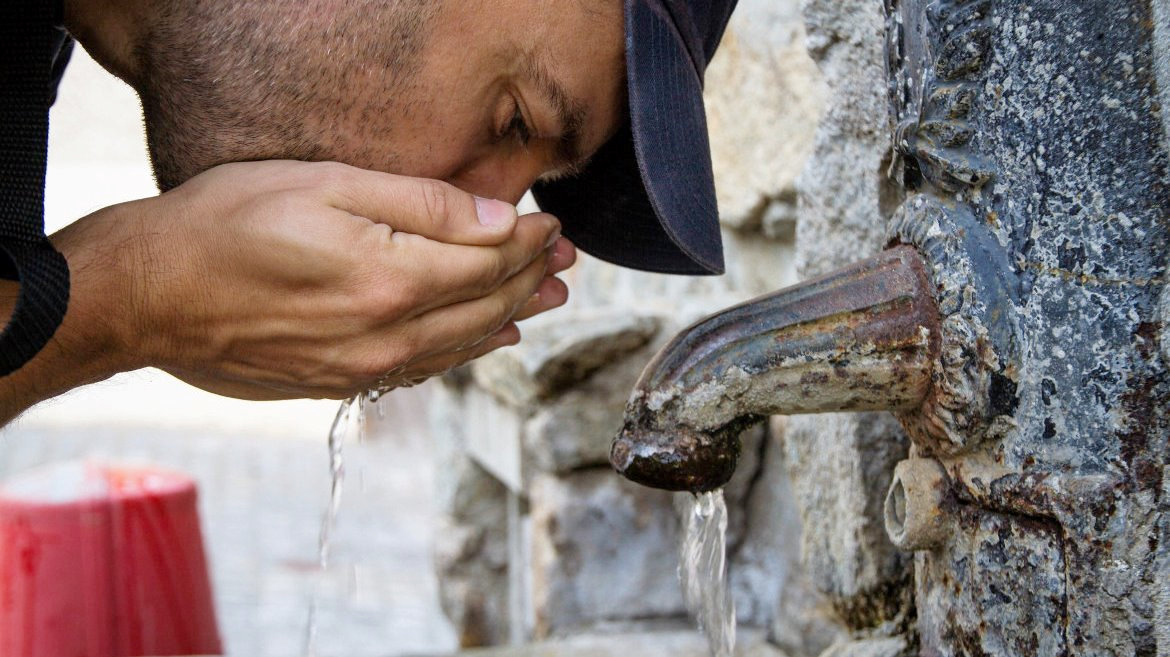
(506, 178)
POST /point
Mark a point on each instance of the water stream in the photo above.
(702, 571)
(350, 419)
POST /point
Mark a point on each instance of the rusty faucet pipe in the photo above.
(860, 338)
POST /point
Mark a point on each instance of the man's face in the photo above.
(486, 94)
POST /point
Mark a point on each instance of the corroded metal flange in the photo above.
(973, 391)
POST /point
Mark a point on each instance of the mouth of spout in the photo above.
(679, 458)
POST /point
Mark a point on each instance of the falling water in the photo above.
(351, 416)
(351, 412)
(702, 571)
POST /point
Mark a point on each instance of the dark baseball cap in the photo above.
(646, 200)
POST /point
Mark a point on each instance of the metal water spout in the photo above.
(861, 338)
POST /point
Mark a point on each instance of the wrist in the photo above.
(70, 358)
(96, 338)
(100, 332)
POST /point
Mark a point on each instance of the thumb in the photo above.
(430, 208)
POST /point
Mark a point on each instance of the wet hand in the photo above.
(271, 280)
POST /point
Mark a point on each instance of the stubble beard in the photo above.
(230, 82)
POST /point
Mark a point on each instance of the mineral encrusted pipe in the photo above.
(861, 338)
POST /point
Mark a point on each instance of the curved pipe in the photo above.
(861, 338)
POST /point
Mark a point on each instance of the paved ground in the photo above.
(261, 505)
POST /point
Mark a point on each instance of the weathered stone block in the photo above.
(493, 436)
(804, 623)
(573, 433)
(560, 351)
(756, 265)
(472, 581)
(576, 429)
(840, 467)
(602, 549)
(763, 98)
(569, 431)
(883, 647)
(844, 192)
(744, 483)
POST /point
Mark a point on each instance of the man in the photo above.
(267, 269)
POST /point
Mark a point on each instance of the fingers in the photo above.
(425, 368)
(564, 255)
(442, 363)
(464, 325)
(341, 275)
(431, 208)
(430, 274)
(416, 373)
(552, 293)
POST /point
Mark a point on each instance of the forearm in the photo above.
(90, 345)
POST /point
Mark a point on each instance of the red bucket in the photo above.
(103, 561)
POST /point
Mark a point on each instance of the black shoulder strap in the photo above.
(31, 42)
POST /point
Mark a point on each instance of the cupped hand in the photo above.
(271, 280)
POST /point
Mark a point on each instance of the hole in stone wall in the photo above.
(896, 509)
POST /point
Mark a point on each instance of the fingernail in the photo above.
(561, 248)
(493, 213)
(556, 235)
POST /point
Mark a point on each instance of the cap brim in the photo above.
(646, 200)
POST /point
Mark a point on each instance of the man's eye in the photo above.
(518, 128)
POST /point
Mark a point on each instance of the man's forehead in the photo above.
(572, 113)
(583, 79)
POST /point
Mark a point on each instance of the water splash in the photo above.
(378, 399)
(702, 571)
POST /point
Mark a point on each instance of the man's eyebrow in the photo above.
(571, 113)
